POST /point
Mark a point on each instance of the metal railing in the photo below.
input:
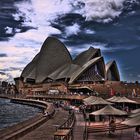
(69, 122)
(85, 134)
(66, 128)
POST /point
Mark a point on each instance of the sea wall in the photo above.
(22, 128)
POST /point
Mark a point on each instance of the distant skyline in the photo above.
(111, 25)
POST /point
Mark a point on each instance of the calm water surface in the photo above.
(11, 113)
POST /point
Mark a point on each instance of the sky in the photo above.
(111, 25)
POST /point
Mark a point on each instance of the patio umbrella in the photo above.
(125, 100)
(95, 101)
(132, 122)
(134, 115)
(109, 110)
(135, 111)
(100, 101)
(112, 98)
(121, 100)
(89, 99)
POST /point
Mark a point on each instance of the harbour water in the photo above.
(11, 113)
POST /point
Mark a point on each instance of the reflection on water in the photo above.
(11, 113)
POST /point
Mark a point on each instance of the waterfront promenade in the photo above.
(46, 131)
(125, 134)
(79, 127)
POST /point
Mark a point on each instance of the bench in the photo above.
(63, 134)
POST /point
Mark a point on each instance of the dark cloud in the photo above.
(118, 39)
(10, 69)
(3, 55)
(2, 73)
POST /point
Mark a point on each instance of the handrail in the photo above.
(69, 122)
(67, 125)
(85, 134)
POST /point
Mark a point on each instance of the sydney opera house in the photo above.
(55, 64)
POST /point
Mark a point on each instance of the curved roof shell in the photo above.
(90, 63)
(64, 71)
(30, 70)
(112, 72)
(52, 55)
(86, 56)
(54, 62)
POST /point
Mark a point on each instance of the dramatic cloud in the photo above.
(72, 30)
(79, 24)
(3, 55)
(3, 76)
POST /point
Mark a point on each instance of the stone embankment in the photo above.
(22, 128)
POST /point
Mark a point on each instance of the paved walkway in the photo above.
(126, 134)
(79, 127)
(120, 135)
(46, 131)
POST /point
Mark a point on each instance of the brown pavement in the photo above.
(79, 127)
(126, 134)
(46, 131)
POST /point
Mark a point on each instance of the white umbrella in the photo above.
(112, 98)
(125, 100)
(89, 99)
(92, 100)
(132, 122)
(134, 115)
(135, 111)
(121, 100)
(109, 110)
(100, 101)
